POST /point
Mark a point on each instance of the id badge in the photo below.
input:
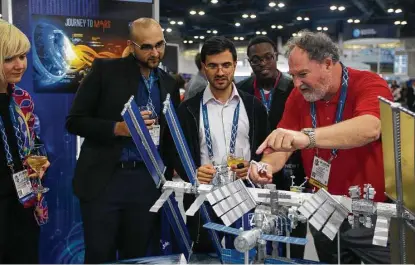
(320, 173)
(22, 184)
(155, 134)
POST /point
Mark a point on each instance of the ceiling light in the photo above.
(201, 13)
(180, 22)
(357, 21)
(237, 24)
(299, 34)
(391, 10)
(273, 27)
(202, 37)
(272, 4)
(350, 20)
(319, 28)
(185, 41)
(214, 1)
(280, 27)
(162, 29)
(397, 11)
(169, 30)
(196, 37)
(209, 31)
(192, 12)
(264, 33)
(294, 34)
(333, 7)
(403, 23)
(235, 38)
(245, 15)
(341, 8)
(215, 32)
(241, 38)
(258, 33)
(172, 22)
(397, 22)
(325, 28)
(306, 18)
(299, 18)
(190, 41)
(253, 16)
(281, 5)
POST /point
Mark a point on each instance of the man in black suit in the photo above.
(114, 187)
(272, 87)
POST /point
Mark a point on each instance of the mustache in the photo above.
(153, 58)
(303, 86)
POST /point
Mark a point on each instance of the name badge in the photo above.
(22, 184)
(155, 134)
(320, 173)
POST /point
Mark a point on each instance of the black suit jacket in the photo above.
(97, 106)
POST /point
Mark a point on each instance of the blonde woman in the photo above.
(20, 210)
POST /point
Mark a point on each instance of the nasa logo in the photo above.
(356, 33)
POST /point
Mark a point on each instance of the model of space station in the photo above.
(275, 213)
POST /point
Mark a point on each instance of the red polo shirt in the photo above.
(357, 166)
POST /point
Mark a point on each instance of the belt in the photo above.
(130, 164)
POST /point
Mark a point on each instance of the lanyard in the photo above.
(234, 130)
(149, 82)
(340, 106)
(16, 128)
(267, 103)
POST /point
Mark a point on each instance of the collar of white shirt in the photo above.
(208, 96)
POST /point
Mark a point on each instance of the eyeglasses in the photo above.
(226, 67)
(148, 47)
(258, 60)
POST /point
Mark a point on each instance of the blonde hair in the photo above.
(13, 42)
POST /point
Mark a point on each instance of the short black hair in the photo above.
(216, 45)
(198, 61)
(261, 39)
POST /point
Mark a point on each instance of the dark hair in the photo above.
(261, 39)
(216, 45)
(198, 61)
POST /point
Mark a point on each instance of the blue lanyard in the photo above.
(149, 85)
(17, 132)
(340, 105)
(208, 137)
(267, 103)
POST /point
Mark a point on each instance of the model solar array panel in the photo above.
(325, 212)
(231, 201)
(222, 228)
(285, 239)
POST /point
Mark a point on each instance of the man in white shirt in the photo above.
(220, 122)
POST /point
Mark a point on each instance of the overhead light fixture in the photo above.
(162, 29)
(403, 23)
(192, 12)
(209, 31)
(306, 18)
(245, 16)
(258, 33)
(215, 32)
(280, 27)
(397, 22)
(333, 8)
(342, 8)
(196, 37)
(214, 1)
(357, 21)
(185, 41)
(273, 27)
(281, 5)
(180, 23)
(264, 33)
(325, 28)
(237, 24)
(236, 38)
(169, 30)
(350, 20)
(391, 10)
(319, 28)
(172, 22)
(252, 16)
(397, 11)
(201, 13)
(272, 4)
(202, 37)
(299, 18)
(190, 41)
(294, 34)
(241, 38)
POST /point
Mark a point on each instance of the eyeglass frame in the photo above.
(162, 43)
(262, 59)
(220, 66)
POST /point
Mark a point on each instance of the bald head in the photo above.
(144, 24)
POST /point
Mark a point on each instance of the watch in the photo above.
(310, 132)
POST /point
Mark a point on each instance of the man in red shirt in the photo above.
(333, 117)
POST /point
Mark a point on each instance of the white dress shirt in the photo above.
(220, 122)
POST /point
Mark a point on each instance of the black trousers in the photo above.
(118, 224)
(355, 246)
(19, 233)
